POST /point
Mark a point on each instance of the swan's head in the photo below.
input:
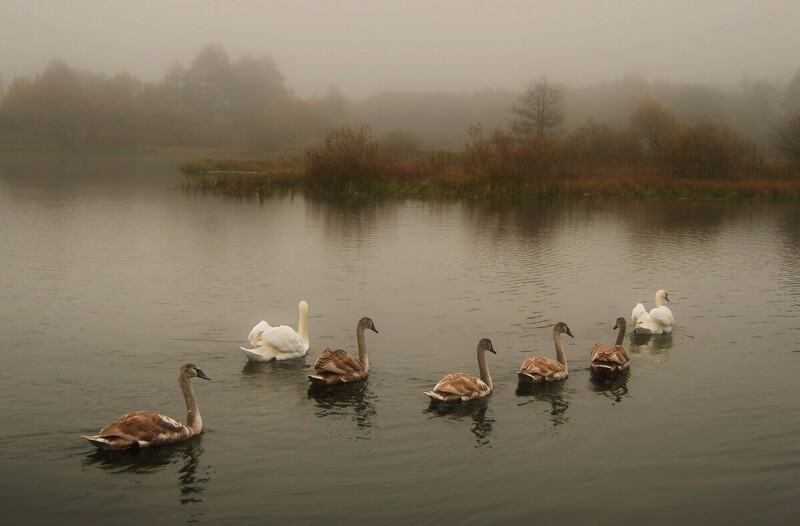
(367, 323)
(662, 295)
(190, 370)
(486, 345)
(303, 306)
(562, 328)
(621, 323)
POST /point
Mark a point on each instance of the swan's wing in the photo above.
(283, 339)
(541, 365)
(255, 333)
(639, 314)
(337, 361)
(463, 385)
(147, 428)
(616, 354)
(662, 317)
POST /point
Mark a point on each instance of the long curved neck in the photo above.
(302, 326)
(658, 300)
(620, 334)
(362, 348)
(193, 419)
(484, 368)
(560, 356)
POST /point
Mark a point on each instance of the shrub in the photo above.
(346, 155)
(706, 150)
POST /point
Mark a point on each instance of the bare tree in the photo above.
(653, 123)
(787, 139)
(539, 112)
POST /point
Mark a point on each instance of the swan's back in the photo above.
(141, 429)
(614, 358)
(459, 386)
(283, 339)
(541, 368)
(255, 334)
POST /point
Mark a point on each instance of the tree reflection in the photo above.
(335, 401)
(186, 455)
(551, 393)
(613, 385)
(476, 410)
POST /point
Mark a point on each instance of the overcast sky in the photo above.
(365, 47)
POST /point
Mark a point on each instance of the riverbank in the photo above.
(230, 177)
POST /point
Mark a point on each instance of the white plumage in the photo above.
(279, 343)
(658, 321)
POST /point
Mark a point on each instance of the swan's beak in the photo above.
(569, 333)
(201, 374)
(374, 329)
(491, 350)
(666, 297)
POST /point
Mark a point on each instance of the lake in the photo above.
(112, 279)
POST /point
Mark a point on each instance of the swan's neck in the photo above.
(560, 356)
(302, 326)
(620, 334)
(484, 368)
(658, 300)
(193, 419)
(362, 348)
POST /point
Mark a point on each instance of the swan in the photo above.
(280, 343)
(146, 428)
(463, 386)
(537, 369)
(611, 359)
(333, 367)
(658, 321)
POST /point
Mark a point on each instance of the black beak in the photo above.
(374, 329)
(201, 374)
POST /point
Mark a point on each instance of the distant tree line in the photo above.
(217, 101)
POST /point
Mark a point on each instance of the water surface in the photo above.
(112, 280)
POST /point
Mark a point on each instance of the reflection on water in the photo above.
(475, 410)
(614, 386)
(656, 346)
(552, 393)
(192, 478)
(356, 401)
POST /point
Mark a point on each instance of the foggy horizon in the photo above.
(364, 48)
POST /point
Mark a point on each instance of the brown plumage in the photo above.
(337, 366)
(146, 428)
(611, 359)
(537, 369)
(462, 386)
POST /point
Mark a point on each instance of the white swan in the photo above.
(611, 359)
(279, 343)
(537, 369)
(463, 386)
(333, 367)
(658, 321)
(145, 428)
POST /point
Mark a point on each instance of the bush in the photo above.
(346, 155)
(706, 150)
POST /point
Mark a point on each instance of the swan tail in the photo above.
(527, 378)
(442, 397)
(324, 379)
(258, 355)
(111, 442)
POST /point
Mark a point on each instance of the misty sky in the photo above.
(365, 47)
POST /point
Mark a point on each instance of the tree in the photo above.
(787, 139)
(539, 111)
(653, 123)
(791, 95)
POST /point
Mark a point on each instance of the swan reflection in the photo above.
(552, 393)
(611, 385)
(476, 410)
(654, 345)
(192, 478)
(335, 401)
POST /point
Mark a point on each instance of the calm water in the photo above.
(111, 280)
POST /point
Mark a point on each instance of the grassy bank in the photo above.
(262, 179)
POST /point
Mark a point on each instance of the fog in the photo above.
(367, 47)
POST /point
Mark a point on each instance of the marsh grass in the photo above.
(349, 164)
